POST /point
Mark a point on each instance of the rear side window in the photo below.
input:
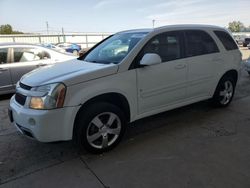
(29, 54)
(226, 40)
(199, 43)
(3, 55)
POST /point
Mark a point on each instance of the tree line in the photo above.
(7, 29)
(234, 26)
(237, 26)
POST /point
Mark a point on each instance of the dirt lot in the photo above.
(194, 147)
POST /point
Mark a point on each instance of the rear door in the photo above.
(203, 60)
(5, 77)
(26, 59)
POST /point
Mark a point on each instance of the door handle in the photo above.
(180, 66)
(217, 59)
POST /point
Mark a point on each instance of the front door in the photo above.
(5, 77)
(163, 84)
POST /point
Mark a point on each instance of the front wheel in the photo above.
(100, 127)
(224, 92)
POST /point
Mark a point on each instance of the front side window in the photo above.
(226, 40)
(29, 54)
(3, 55)
(199, 43)
(115, 48)
(166, 45)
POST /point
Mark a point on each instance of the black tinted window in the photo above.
(167, 46)
(226, 40)
(3, 55)
(199, 43)
(29, 54)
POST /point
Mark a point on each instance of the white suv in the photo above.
(128, 76)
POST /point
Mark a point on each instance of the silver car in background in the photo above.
(17, 59)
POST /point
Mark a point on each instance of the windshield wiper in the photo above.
(101, 62)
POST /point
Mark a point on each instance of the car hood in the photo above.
(69, 72)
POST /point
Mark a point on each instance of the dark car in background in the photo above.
(70, 47)
(246, 42)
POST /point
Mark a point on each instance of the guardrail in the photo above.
(85, 40)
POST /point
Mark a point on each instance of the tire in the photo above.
(94, 132)
(248, 72)
(224, 92)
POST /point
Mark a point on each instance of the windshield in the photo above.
(114, 49)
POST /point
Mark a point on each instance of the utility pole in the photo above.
(47, 26)
(63, 34)
(62, 31)
(153, 22)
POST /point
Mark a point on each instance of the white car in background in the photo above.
(17, 59)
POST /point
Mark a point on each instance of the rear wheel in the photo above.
(224, 92)
(100, 127)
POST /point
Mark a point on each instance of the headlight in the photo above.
(54, 95)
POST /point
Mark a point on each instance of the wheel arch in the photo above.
(231, 73)
(114, 98)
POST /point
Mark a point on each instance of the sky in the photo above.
(118, 15)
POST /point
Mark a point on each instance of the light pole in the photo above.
(47, 26)
(63, 34)
(153, 22)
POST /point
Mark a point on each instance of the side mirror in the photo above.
(150, 59)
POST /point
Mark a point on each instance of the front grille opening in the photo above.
(25, 131)
(26, 87)
(21, 99)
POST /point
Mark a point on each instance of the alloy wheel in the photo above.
(103, 130)
(227, 93)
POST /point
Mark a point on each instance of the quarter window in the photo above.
(226, 40)
(3, 55)
(167, 46)
(199, 43)
(29, 54)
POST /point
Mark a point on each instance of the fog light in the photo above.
(32, 121)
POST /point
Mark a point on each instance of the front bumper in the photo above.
(44, 125)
